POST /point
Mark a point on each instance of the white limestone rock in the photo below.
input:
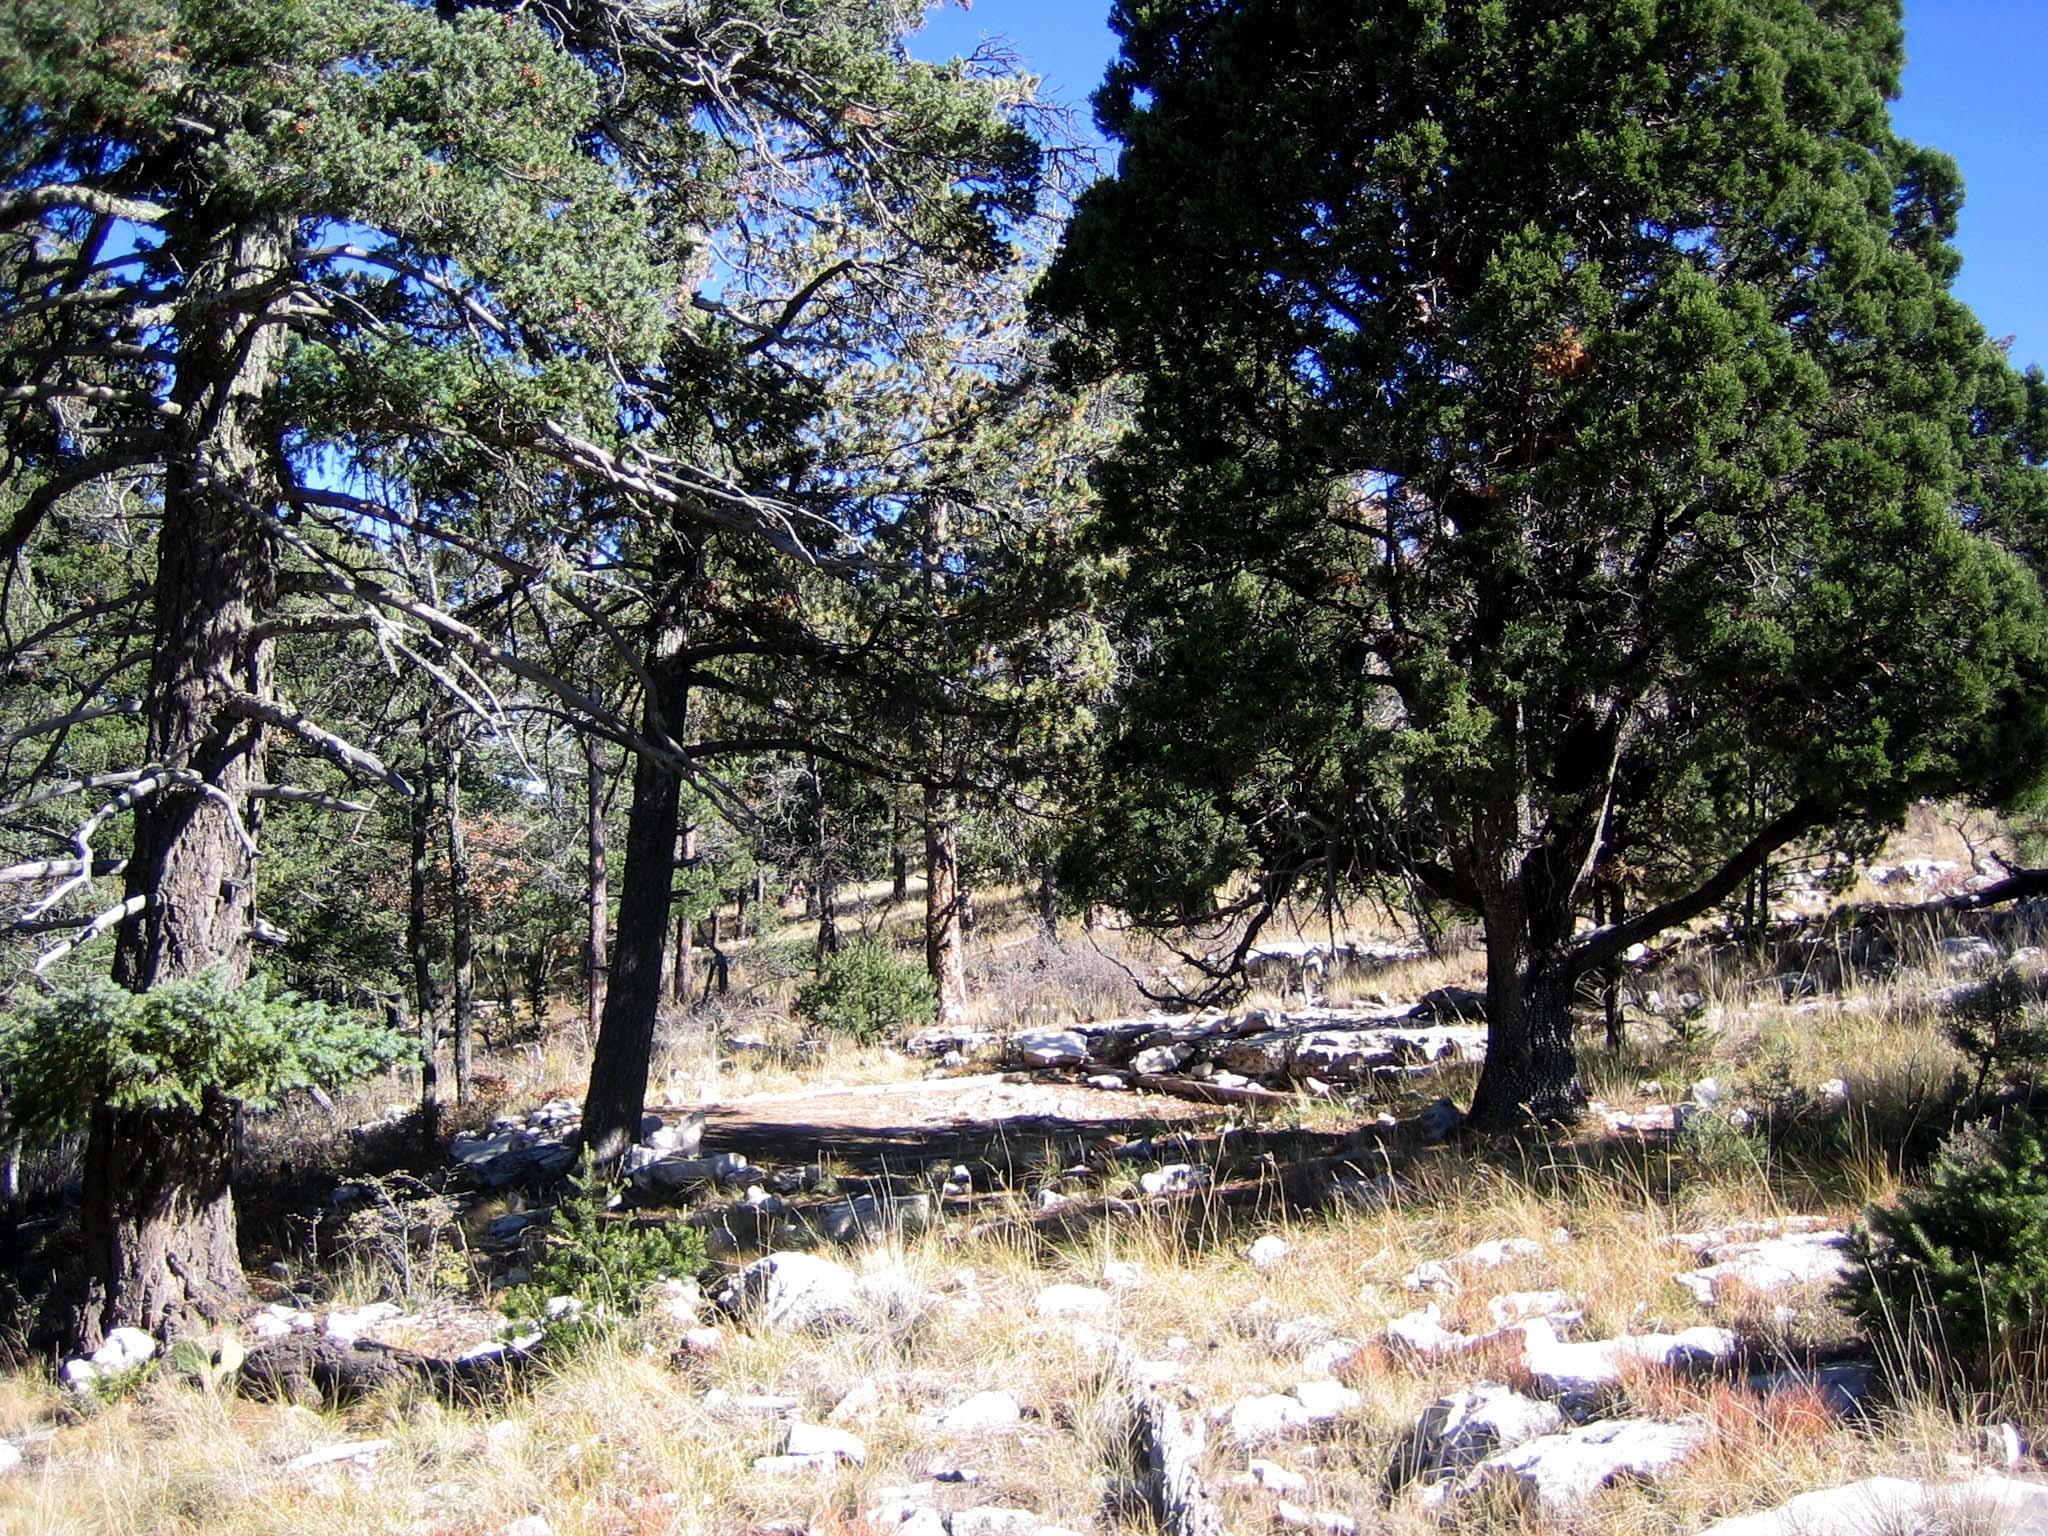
(1267, 1251)
(803, 1439)
(1423, 1335)
(1326, 1400)
(346, 1326)
(980, 1413)
(1555, 1307)
(1773, 1264)
(124, 1349)
(1174, 1179)
(1990, 1502)
(995, 1520)
(1576, 1371)
(1561, 1471)
(1500, 1252)
(1457, 1432)
(1073, 1301)
(1266, 1416)
(1157, 1060)
(792, 1290)
(1051, 1048)
(1272, 1477)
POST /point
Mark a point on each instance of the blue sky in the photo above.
(1974, 87)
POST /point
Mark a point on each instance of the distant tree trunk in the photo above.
(685, 967)
(460, 908)
(503, 983)
(156, 1224)
(426, 1002)
(617, 1095)
(1609, 908)
(899, 854)
(598, 907)
(827, 884)
(945, 939)
(1048, 900)
(721, 972)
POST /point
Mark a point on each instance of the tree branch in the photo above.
(1597, 948)
(354, 759)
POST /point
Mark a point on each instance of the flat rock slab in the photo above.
(1562, 1471)
(1771, 1264)
(2007, 1505)
(1458, 1432)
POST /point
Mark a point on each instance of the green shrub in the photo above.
(605, 1263)
(867, 992)
(2001, 1026)
(94, 1042)
(1963, 1281)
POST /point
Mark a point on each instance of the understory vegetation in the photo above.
(744, 790)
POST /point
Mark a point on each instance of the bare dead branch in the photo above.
(51, 869)
(292, 794)
(344, 754)
(108, 920)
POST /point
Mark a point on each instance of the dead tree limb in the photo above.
(1164, 1446)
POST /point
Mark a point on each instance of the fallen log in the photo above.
(1194, 1088)
(1164, 1446)
(311, 1367)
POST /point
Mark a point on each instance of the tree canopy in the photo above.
(1548, 413)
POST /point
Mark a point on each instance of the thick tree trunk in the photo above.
(1531, 1074)
(945, 939)
(155, 1218)
(154, 1207)
(463, 994)
(596, 966)
(618, 1067)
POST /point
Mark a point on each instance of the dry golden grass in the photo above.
(627, 1437)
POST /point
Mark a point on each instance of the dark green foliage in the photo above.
(606, 1262)
(2002, 1026)
(1965, 1278)
(868, 992)
(97, 1043)
(1555, 444)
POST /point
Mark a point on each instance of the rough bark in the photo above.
(463, 968)
(425, 996)
(596, 965)
(945, 941)
(1531, 1074)
(155, 1218)
(618, 1067)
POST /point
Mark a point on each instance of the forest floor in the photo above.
(1340, 1318)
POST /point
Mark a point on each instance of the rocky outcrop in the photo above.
(2009, 1506)
(1327, 1047)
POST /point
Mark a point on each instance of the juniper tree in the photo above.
(1546, 410)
